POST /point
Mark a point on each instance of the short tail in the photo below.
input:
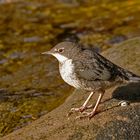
(129, 76)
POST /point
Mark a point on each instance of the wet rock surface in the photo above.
(112, 120)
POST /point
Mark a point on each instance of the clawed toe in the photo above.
(80, 109)
(73, 110)
(85, 115)
(77, 109)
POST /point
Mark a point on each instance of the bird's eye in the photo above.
(61, 50)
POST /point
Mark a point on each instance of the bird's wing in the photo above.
(93, 66)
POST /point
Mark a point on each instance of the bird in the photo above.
(84, 68)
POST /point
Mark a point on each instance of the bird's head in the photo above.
(63, 51)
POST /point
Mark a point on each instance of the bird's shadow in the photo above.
(130, 92)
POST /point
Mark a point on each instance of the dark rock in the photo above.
(130, 92)
(125, 126)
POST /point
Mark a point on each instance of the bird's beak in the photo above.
(48, 52)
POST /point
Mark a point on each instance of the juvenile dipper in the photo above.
(83, 68)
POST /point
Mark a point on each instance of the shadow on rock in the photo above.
(130, 92)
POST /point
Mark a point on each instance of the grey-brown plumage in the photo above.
(83, 68)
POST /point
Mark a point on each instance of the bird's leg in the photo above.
(92, 113)
(83, 107)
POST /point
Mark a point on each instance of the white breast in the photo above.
(67, 74)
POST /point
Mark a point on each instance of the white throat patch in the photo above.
(60, 57)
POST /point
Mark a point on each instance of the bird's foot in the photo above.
(88, 115)
(80, 109)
